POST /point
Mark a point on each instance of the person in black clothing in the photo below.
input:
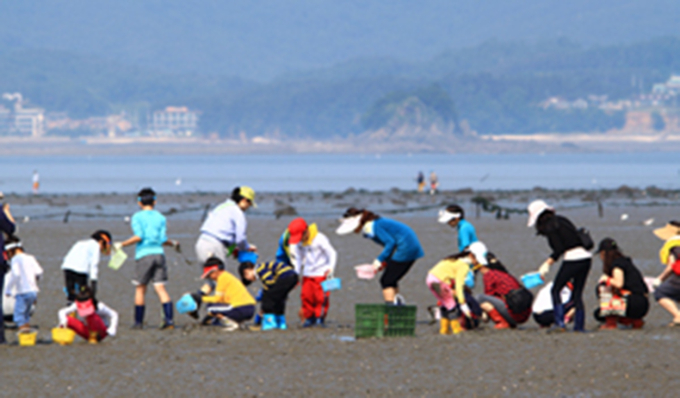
(7, 227)
(565, 242)
(621, 278)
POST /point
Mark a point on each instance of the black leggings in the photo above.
(74, 281)
(274, 298)
(576, 272)
(393, 273)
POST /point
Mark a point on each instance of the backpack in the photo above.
(519, 300)
(586, 239)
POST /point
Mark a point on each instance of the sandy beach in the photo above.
(193, 360)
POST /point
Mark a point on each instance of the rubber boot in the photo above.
(268, 322)
(579, 320)
(309, 322)
(456, 327)
(444, 326)
(497, 318)
(281, 322)
(610, 322)
(634, 323)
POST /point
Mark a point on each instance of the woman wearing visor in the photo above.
(454, 216)
(401, 246)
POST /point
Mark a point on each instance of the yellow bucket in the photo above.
(27, 339)
(63, 336)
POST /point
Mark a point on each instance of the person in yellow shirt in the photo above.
(230, 303)
(453, 272)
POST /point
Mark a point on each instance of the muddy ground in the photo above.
(192, 360)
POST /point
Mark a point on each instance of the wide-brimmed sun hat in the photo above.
(670, 230)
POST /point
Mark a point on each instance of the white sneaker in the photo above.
(228, 325)
(399, 300)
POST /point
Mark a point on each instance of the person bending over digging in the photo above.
(505, 301)
(458, 306)
(401, 247)
(82, 263)
(93, 320)
(149, 229)
(230, 303)
(277, 279)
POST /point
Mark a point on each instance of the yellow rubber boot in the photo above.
(93, 338)
(455, 326)
(444, 326)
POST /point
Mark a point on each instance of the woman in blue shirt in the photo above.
(454, 216)
(401, 246)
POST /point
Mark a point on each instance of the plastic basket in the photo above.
(380, 320)
(532, 279)
(27, 339)
(63, 336)
(117, 259)
(331, 284)
(365, 271)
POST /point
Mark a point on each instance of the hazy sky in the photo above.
(262, 39)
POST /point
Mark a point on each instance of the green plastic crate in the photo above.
(380, 320)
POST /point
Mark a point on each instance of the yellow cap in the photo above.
(248, 193)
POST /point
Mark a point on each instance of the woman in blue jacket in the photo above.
(401, 246)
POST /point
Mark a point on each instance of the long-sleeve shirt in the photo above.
(283, 251)
(229, 290)
(449, 271)
(269, 273)
(398, 239)
(83, 258)
(466, 234)
(227, 223)
(8, 228)
(150, 226)
(498, 283)
(316, 257)
(562, 237)
(108, 315)
(24, 274)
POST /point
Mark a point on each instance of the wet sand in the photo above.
(193, 360)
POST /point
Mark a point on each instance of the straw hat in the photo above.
(670, 230)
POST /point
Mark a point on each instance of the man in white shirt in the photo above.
(314, 259)
(23, 278)
(82, 263)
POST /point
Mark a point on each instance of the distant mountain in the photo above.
(264, 39)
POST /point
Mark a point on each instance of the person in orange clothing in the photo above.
(230, 303)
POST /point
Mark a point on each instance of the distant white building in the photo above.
(21, 121)
(174, 121)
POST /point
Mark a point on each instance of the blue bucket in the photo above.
(247, 257)
(532, 279)
(186, 304)
(331, 284)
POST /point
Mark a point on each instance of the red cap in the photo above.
(208, 269)
(296, 228)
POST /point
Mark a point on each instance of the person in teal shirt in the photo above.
(149, 237)
(454, 216)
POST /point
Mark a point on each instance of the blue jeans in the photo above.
(22, 307)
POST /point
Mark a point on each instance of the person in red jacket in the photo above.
(497, 284)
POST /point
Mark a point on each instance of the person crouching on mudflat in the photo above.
(94, 320)
(82, 263)
(149, 229)
(230, 303)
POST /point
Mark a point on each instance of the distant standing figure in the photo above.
(421, 181)
(434, 183)
(36, 182)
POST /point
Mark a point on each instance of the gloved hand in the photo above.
(175, 245)
(378, 265)
(657, 282)
(544, 269)
(118, 246)
(466, 310)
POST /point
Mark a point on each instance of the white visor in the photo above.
(348, 225)
(11, 246)
(445, 216)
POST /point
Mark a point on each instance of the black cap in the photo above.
(607, 244)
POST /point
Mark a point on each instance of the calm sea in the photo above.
(169, 173)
